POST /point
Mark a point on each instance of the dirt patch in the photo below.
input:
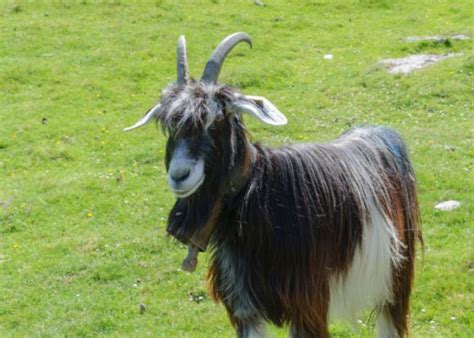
(410, 63)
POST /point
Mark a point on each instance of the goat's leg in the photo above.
(392, 320)
(254, 330)
(309, 331)
(310, 315)
(385, 325)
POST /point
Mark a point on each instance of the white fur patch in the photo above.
(368, 282)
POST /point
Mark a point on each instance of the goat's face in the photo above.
(185, 161)
(200, 119)
(194, 119)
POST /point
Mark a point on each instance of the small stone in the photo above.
(259, 3)
(448, 205)
(328, 56)
(453, 318)
(198, 297)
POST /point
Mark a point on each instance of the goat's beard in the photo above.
(188, 216)
(191, 219)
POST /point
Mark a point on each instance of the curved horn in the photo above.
(214, 65)
(182, 61)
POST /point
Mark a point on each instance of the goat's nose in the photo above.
(180, 174)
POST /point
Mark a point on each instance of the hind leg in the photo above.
(393, 317)
(392, 321)
(385, 325)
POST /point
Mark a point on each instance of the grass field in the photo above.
(83, 205)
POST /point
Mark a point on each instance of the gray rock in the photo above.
(410, 63)
(436, 38)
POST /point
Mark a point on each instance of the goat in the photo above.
(300, 234)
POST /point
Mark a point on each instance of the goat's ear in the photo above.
(149, 116)
(259, 107)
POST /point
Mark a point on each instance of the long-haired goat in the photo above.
(299, 234)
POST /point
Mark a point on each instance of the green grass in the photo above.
(83, 205)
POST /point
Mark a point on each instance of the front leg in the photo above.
(245, 330)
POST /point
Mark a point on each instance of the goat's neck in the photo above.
(236, 183)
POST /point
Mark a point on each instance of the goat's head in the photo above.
(204, 124)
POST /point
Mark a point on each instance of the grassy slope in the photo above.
(83, 205)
